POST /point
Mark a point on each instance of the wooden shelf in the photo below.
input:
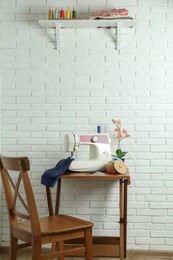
(87, 23)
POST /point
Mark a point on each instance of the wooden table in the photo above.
(102, 246)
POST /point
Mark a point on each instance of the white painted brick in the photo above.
(152, 114)
(120, 100)
(103, 65)
(91, 86)
(58, 85)
(31, 45)
(140, 219)
(8, 17)
(16, 148)
(151, 141)
(90, 72)
(155, 128)
(8, 3)
(142, 226)
(95, 114)
(5, 58)
(153, 170)
(90, 211)
(75, 120)
(154, 241)
(90, 58)
(47, 93)
(138, 233)
(31, 3)
(89, 100)
(7, 72)
(68, 52)
(7, 44)
(79, 79)
(15, 25)
(60, 100)
(14, 9)
(74, 93)
(100, 44)
(20, 78)
(74, 65)
(29, 17)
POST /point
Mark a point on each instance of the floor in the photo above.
(134, 255)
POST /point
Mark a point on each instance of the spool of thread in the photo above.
(68, 13)
(74, 14)
(55, 13)
(62, 13)
(50, 13)
(98, 129)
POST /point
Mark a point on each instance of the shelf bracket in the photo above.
(119, 26)
(87, 23)
(58, 36)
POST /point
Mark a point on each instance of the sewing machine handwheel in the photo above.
(120, 166)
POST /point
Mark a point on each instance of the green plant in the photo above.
(121, 133)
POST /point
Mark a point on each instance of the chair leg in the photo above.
(13, 248)
(60, 246)
(36, 250)
(53, 249)
(88, 244)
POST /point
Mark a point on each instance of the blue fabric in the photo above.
(51, 176)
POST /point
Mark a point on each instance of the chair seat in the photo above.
(55, 224)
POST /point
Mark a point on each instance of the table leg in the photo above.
(125, 217)
(121, 198)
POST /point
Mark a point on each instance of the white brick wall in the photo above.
(47, 93)
(0, 139)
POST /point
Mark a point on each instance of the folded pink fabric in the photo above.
(113, 12)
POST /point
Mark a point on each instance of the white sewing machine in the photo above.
(99, 153)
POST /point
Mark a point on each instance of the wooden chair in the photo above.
(28, 227)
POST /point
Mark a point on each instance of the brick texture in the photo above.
(47, 93)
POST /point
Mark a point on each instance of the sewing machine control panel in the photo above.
(104, 139)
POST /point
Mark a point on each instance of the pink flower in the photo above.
(118, 122)
(125, 131)
(119, 135)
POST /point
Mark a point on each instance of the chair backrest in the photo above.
(18, 192)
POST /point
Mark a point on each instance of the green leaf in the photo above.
(120, 153)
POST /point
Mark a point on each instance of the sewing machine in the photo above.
(99, 151)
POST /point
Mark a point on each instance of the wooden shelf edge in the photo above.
(86, 23)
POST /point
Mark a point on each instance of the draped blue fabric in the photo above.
(51, 176)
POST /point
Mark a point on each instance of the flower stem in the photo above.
(119, 143)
